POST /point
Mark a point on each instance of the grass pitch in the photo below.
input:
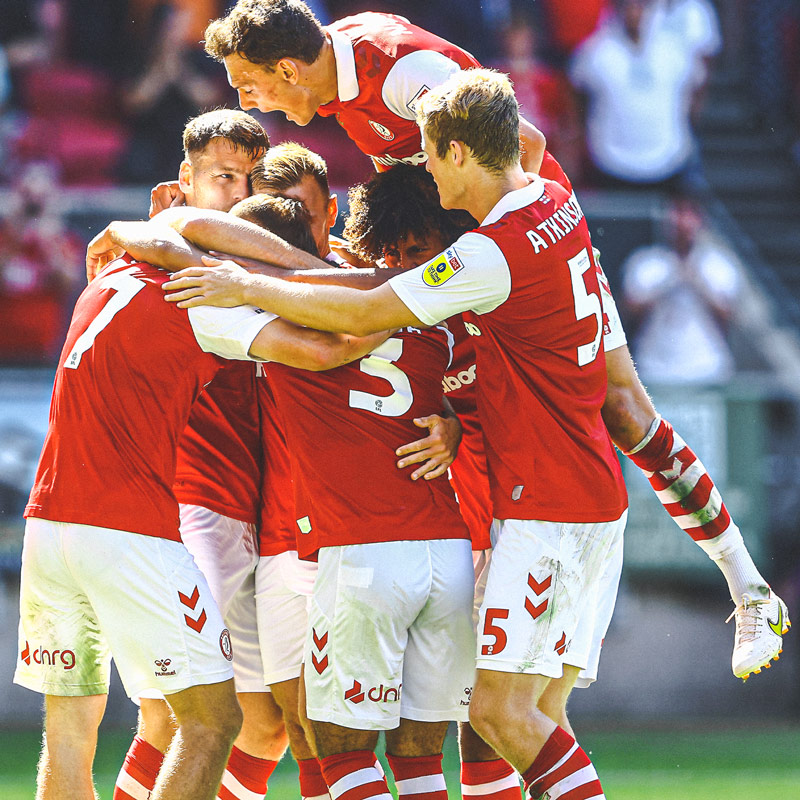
(634, 764)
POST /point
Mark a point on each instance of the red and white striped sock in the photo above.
(563, 770)
(245, 777)
(139, 771)
(354, 776)
(420, 778)
(312, 784)
(489, 780)
(690, 497)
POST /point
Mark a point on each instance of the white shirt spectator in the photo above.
(681, 340)
(638, 125)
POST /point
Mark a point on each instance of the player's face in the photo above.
(217, 178)
(271, 90)
(443, 174)
(413, 251)
(321, 208)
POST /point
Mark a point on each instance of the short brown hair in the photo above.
(476, 107)
(240, 129)
(285, 166)
(284, 217)
(393, 204)
(265, 31)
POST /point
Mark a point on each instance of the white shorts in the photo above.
(391, 634)
(226, 550)
(284, 585)
(90, 593)
(549, 596)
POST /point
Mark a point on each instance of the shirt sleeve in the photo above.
(471, 275)
(228, 332)
(411, 77)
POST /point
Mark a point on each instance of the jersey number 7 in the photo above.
(125, 287)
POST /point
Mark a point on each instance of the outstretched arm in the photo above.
(217, 230)
(305, 348)
(145, 241)
(328, 308)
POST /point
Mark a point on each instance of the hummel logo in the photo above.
(354, 694)
(777, 627)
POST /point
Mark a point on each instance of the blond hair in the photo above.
(478, 108)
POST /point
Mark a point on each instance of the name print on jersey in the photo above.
(557, 225)
(441, 269)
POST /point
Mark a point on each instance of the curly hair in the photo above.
(265, 31)
(393, 204)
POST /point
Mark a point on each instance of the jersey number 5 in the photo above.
(587, 304)
(125, 287)
(379, 363)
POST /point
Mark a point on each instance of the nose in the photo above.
(245, 101)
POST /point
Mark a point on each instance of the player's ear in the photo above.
(289, 70)
(457, 151)
(185, 176)
(333, 210)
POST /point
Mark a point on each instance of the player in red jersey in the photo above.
(369, 70)
(217, 485)
(327, 446)
(104, 571)
(527, 277)
(368, 74)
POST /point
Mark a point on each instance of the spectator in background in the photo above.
(41, 269)
(543, 92)
(639, 79)
(684, 293)
(176, 81)
(570, 23)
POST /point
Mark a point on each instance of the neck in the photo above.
(488, 189)
(324, 72)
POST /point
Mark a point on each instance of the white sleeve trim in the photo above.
(411, 77)
(228, 332)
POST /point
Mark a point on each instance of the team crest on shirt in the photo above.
(381, 130)
(225, 644)
(441, 269)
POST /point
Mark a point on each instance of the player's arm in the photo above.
(145, 241)
(339, 309)
(305, 348)
(532, 143)
(437, 450)
(217, 230)
(357, 278)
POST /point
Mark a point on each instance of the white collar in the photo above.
(346, 79)
(515, 200)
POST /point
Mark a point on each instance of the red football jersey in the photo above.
(129, 372)
(527, 281)
(277, 526)
(343, 427)
(384, 64)
(468, 473)
(219, 453)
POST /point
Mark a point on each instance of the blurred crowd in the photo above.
(96, 93)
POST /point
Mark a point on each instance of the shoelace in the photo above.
(749, 618)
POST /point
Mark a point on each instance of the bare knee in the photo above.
(208, 712)
(157, 724)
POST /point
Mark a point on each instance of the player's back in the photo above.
(343, 427)
(129, 372)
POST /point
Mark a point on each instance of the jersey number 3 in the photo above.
(125, 287)
(379, 364)
(587, 304)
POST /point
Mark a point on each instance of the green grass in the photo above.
(634, 764)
